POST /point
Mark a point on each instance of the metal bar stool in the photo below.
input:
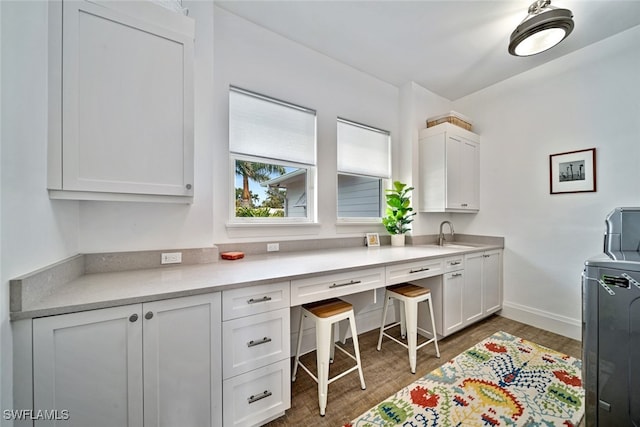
(325, 314)
(410, 295)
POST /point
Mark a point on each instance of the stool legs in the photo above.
(324, 348)
(387, 300)
(356, 350)
(433, 328)
(408, 325)
(297, 358)
(411, 325)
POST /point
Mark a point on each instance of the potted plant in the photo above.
(399, 213)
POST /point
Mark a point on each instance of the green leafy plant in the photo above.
(399, 213)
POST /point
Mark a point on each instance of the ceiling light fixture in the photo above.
(544, 27)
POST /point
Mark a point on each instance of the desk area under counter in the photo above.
(258, 295)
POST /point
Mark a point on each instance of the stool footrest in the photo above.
(330, 380)
(395, 339)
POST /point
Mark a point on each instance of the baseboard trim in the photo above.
(552, 322)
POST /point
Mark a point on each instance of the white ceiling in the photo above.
(452, 48)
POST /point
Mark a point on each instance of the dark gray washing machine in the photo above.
(611, 325)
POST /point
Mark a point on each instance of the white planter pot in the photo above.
(397, 240)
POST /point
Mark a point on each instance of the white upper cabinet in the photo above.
(121, 102)
(449, 169)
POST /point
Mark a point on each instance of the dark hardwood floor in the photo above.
(387, 371)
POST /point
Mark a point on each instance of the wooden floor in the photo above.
(387, 371)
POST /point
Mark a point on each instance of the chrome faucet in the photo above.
(441, 238)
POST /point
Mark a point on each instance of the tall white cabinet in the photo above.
(151, 364)
(120, 101)
(449, 158)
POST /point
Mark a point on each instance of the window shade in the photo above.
(259, 126)
(363, 150)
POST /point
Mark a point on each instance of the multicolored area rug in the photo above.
(502, 381)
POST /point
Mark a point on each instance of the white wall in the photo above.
(105, 227)
(34, 231)
(416, 105)
(256, 59)
(590, 98)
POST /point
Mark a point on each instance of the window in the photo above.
(272, 147)
(364, 162)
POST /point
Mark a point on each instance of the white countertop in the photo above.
(101, 290)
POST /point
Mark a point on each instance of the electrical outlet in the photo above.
(171, 258)
(273, 247)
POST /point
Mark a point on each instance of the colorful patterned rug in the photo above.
(502, 381)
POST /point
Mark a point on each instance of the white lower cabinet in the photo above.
(484, 274)
(151, 364)
(256, 354)
(453, 294)
(470, 290)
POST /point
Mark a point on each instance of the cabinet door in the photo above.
(127, 98)
(90, 364)
(470, 174)
(472, 302)
(182, 366)
(462, 173)
(492, 281)
(452, 294)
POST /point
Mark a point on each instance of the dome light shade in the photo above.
(542, 29)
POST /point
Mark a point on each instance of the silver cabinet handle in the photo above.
(351, 282)
(253, 399)
(149, 315)
(464, 205)
(263, 299)
(189, 186)
(133, 318)
(486, 256)
(253, 343)
(418, 270)
(456, 275)
(455, 263)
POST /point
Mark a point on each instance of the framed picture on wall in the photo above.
(373, 239)
(572, 172)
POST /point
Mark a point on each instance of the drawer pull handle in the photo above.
(418, 270)
(455, 263)
(263, 299)
(254, 399)
(253, 343)
(456, 275)
(351, 282)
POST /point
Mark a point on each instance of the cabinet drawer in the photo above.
(254, 299)
(252, 398)
(454, 263)
(335, 285)
(255, 341)
(413, 270)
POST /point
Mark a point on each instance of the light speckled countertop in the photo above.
(100, 290)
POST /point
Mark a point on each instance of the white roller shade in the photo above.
(363, 150)
(259, 126)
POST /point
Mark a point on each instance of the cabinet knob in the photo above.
(189, 186)
(133, 318)
(148, 315)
